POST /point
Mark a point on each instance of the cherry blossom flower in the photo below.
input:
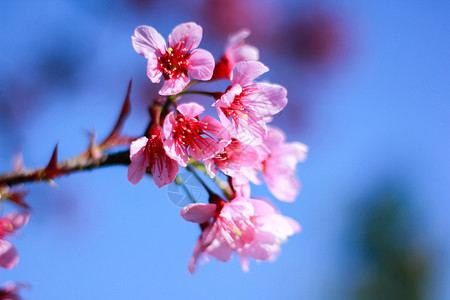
(8, 225)
(149, 154)
(10, 290)
(249, 104)
(249, 227)
(279, 168)
(236, 50)
(176, 60)
(237, 160)
(186, 131)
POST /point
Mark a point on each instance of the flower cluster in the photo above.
(237, 142)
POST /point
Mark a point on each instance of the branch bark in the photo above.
(66, 167)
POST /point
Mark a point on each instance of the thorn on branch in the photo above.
(52, 171)
(114, 137)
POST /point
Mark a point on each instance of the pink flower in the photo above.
(10, 290)
(186, 130)
(249, 104)
(279, 168)
(177, 60)
(8, 225)
(237, 160)
(236, 50)
(148, 154)
(249, 227)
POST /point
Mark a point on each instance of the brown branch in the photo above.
(66, 167)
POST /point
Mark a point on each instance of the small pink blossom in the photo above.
(249, 227)
(237, 160)
(8, 225)
(249, 105)
(148, 154)
(236, 50)
(176, 60)
(10, 290)
(279, 168)
(186, 131)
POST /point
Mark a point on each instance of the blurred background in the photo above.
(368, 89)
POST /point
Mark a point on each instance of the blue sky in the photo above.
(381, 113)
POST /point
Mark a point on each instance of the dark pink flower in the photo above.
(176, 60)
(249, 104)
(148, 154)
(236, 50)
(8, 225)
(249, 227)
(186, 131)
(279, 168)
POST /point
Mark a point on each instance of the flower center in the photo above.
(241, 108)
(191, 133)
(174, 63)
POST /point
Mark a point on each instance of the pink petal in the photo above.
(210, 167)
(174, 86)
(263, 251)
(244, 263)
(138, 157)
(245, 72)
(237, 50)
(248, 174)
(296, 227)
(220, 250)
(238, 209)
(251, 130)
(262, 208)
(198, 212)
(204, 148)
(201, 65)
(169, 122)
(244, 53)
(283, 187)
(164, 170)
(210, 234)
(226, 123)
(286, 156)
(153, 69)
(137, 147)
(280, 226)
(8, 255)
(176, 152)
(18, 219)
(237, 37)
(190, 110)
(298, 150)
(274, 136)
(242, 188)
(195, 255)
(215, 128)
(190, 34)
(270, 100)
(147, 41)
(228, 97)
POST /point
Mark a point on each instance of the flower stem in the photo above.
(197, 93)
(180, 182)
(223, 185)
(191, 169)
